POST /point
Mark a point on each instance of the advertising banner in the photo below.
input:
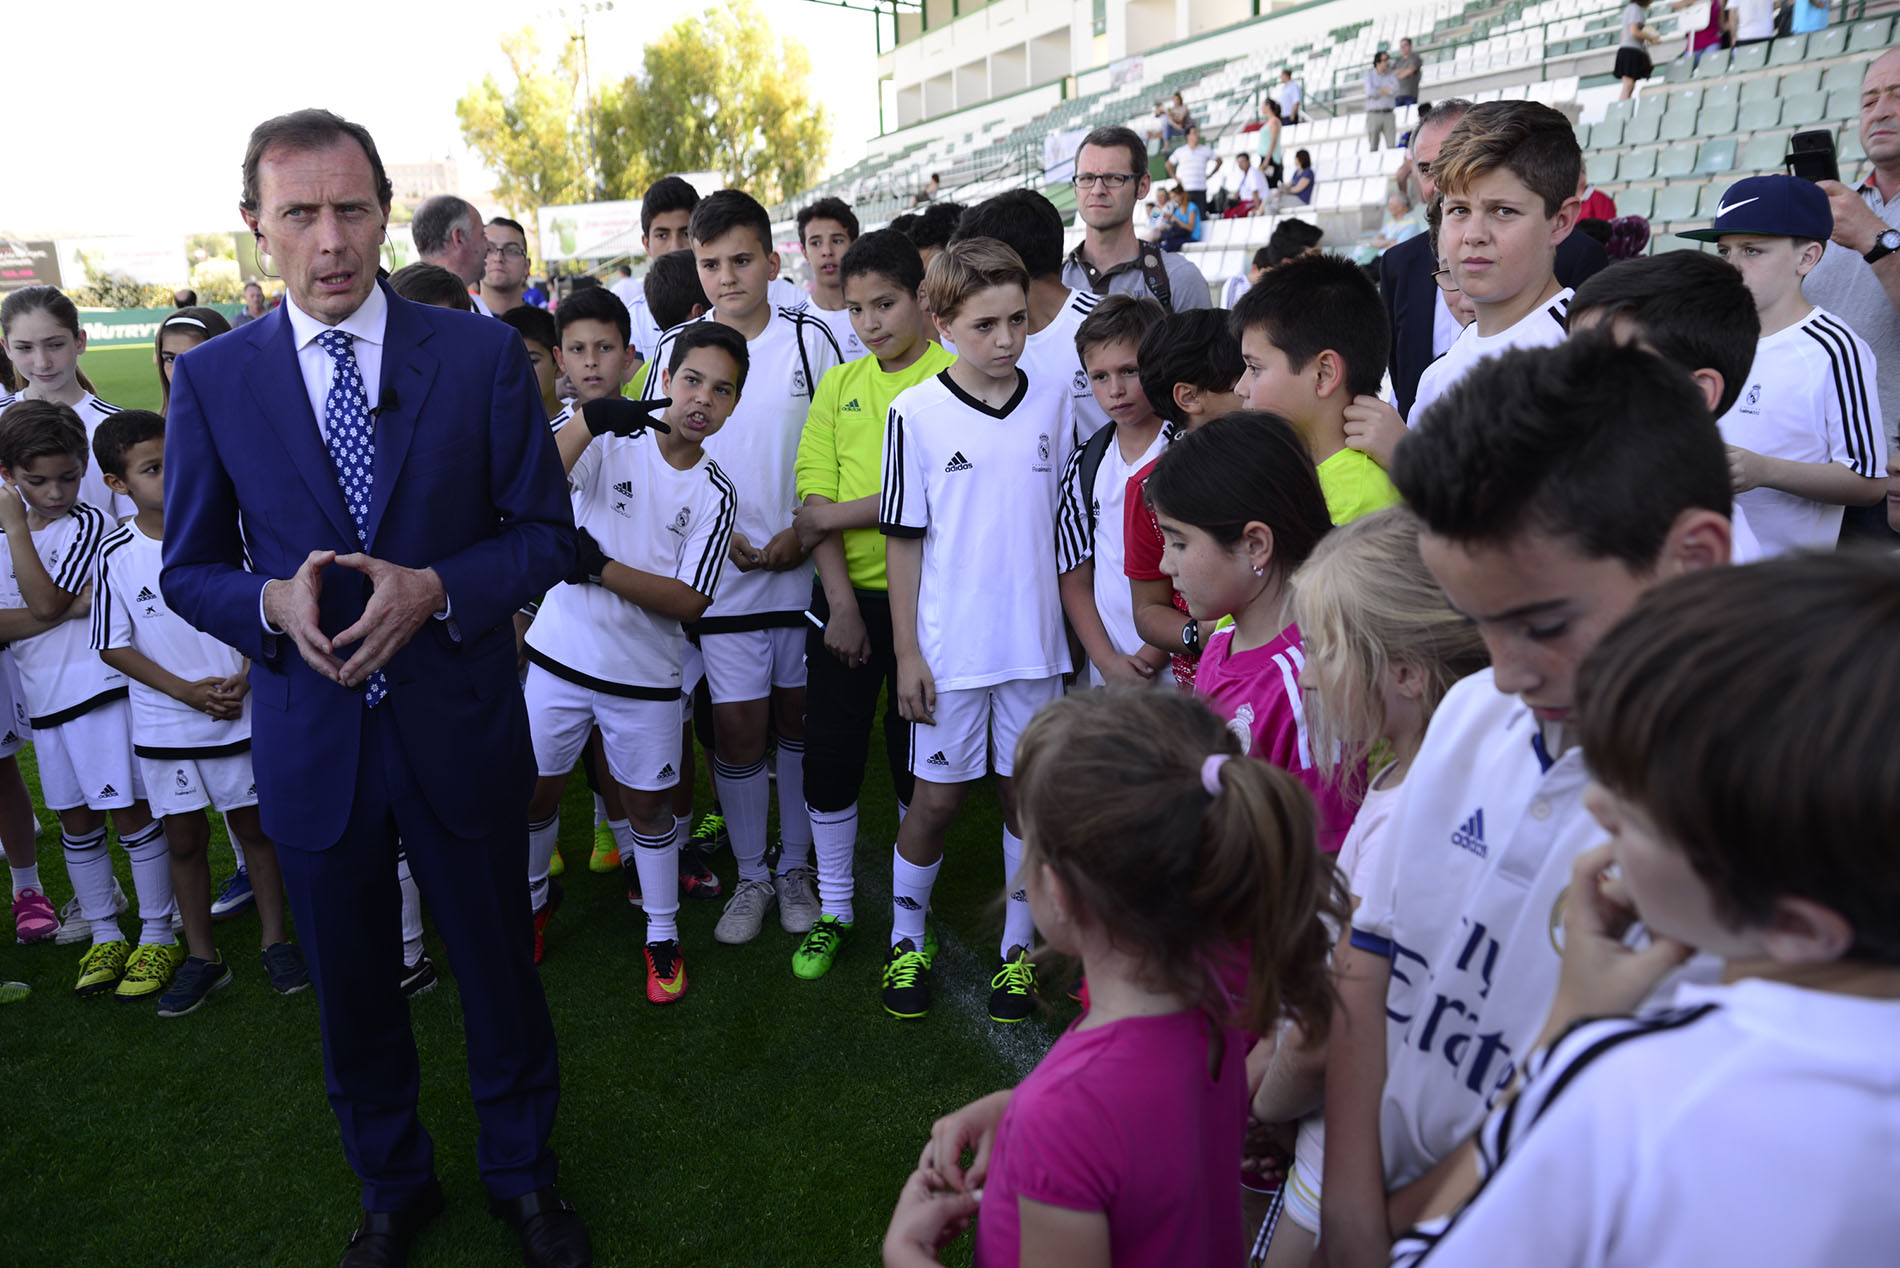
(24, 264)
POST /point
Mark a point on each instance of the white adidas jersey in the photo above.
(60, 673)
(981, 486)
(850, 347)
(1756, 1123)
(758, 451)
(652, 517)
(1106, 544)
(1050, 353)
(1809, 397)
(1544, 327)
(560, 420)
(129, 610)
(92, 486)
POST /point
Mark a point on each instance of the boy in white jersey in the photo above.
(1805, 439)
(1089, 534)
(752, 639)
(655, 519)
(665, 210)
(826, 230)
(1029, 224)
(191, 723)
(43, 335)
(972, 479)
(1750, 816)
(1555, 485)
(1507, 176)
(76, 704)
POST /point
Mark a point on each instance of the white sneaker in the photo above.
(73, 929)
(798, 908)
(745, 912)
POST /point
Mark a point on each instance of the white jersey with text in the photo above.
(1050, 353)
(1544, 327)
(60, 674)
(838, 322)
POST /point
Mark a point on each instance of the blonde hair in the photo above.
(965, 267)
(1112, 797)
(1365, 602)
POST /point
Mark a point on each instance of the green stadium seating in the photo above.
(1807, 79)
(1637, 165)
(1761, 88)
(1803, 109)
(1851, 150)
(1675, 202)
(1716, 157)
(1607, 135)
(1636, 202)
(1711, 199)
(1758, 116)
(1869, 37)
(1683, 100)
(1624, 110)
(1843, 103)
(1829, 43)
(1678, 71)
(1749, 57)
(1726, 93)
(1600, 166)
(1676, 160)
(1643, 128)
(1713, 65)
(1715, 120)
(1846, 76)
(1678, 126)
(1764, 152)
(1788, 50)
(1670, 242)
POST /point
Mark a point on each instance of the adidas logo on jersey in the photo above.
(937, 759)
(908, 903)
(12, 737)
(1470, 834)
(108, 791)
(958, 462)
(667, 772)
(624, 488)
(1020, 896)
(144, 595)
(851, 407)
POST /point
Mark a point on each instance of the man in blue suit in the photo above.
(359, 492)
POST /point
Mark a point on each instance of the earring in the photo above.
(1260, 571)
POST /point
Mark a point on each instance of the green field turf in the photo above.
(124, 377)
(760, 1121)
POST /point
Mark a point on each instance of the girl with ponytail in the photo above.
(1175, 874)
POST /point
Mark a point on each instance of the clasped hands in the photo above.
(400, 600)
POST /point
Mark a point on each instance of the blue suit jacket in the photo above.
(467, 481)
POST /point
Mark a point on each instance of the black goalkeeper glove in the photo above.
(618, 416)
(589, 559)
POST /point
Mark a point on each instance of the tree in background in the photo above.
(529, 138)
(721, 92)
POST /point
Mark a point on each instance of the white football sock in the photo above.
(745, 793)
(658, 861)
(835, 838)
(151, 881)
(411, 912)
(541, 840)
(237, 850)
(794, 822)
(90, 870)
(26, 878)
(1019, 927)
(910, 898)
(600, 810)
(682, 828)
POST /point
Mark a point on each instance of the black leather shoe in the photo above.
(551, 1231)
(383, 1239)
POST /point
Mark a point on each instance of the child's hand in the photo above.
(203, 697)
(1744, 469)
(916, 690)
(1374, 428)
(1267, 1148)
(742, 554)
(1602, 975)
(237, 686)
(927, 1218)
(809, 523)
(12, 508)
(782, 553)
(845, 636)
(1126, 669)
(973, 1128)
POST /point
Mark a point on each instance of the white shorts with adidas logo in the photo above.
(642, 737)
(87, 760)
(180, 785)
(15, 732)
(974, 722)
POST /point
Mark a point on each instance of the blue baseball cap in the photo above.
(1773, 206)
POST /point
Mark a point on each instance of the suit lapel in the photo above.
(275, 382)
(408, 375)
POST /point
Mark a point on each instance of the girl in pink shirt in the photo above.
(1240, 509)
(1154, 858)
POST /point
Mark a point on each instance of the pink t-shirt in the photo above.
(1125, 1120)
(1258, 692)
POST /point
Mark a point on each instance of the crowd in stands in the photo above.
(1433, 702)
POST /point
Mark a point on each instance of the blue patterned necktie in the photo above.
(349, 432)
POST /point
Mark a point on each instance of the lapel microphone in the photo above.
(389, 402)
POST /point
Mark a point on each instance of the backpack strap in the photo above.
(1154, 272)
(1092, 454)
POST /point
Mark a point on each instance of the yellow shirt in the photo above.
(841, 452)
(1354, 485)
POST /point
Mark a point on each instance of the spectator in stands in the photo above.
(1754, 21)
(1858, 279)
(1288, 94)
(1268, 142)
(1717, 34)
(1593, 203)
(1193, 165)
(1410, 67)
(1422, 327)
(1301, 186)
(1632, 55)
(1807, 15)
(448, 232)
(1249, 194)
(1176, 119)
(1382, 94)
(184, 297)
(928, 193)
(505, 265)
(1111, 176)
(1180, 221)
(1400, 223)
(254, 306)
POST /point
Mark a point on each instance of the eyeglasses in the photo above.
(1106, 180)
(509, 252)
(1446, 282)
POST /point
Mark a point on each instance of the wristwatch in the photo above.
(1191, 634)
(1885, 245)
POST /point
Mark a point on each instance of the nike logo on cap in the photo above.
(1722, 209)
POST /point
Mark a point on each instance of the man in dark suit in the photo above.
(1421, 328)
(359, 493)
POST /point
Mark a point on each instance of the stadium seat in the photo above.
(1711, 199)
(1715, 120)
(1684, 100)
(1621, 111)
(1675, 202)
(1727, 93)
(1676, 160)
(1870, 36)
(1643, 128)
(1803, 109)
(1807, 79)
(1759, 116)
(1678, 71)
(1713, 65)
(1638, 165)
(1670, 242)
(1749, 57)
(1764, 152)
(1847, 76)
(1788, 50)
(1678, 125)
(1829, 43)
(1851, 150)
(1636, 202)
(1716, 157)
(1761, 88)
(1600, 166)
(1843, 103)
(1607, 135)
